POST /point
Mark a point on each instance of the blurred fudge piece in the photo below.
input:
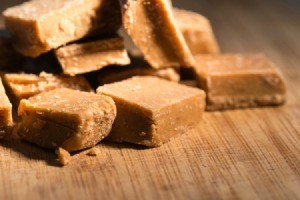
(92, 56)
(70, 119)
(197, 32)
(38, 26)
(151, 26)
(151, 110)
(239, 81)
(23, 86)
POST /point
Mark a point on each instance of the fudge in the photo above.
(64, 156)
(92, 56)
(6, 120)
(197, 32)
(38, 26)
(66, 118)
(239, 81)
(93, 152)
(151, 26)
(9, 59)
(151, 110)
(119, 74)
(23, 86)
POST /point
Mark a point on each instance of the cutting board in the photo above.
(241, 154)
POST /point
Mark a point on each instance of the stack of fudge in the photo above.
(136, 71)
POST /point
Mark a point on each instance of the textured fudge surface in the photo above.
(238, 81)
(152, 110)
(66, 118)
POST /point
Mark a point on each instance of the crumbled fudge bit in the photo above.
(92, 56)
(66, 118)
(38, 26)
(64, 156)
(151, 110)
(239, 81)
(197, 32)
(93, 152)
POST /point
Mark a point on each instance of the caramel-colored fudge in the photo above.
(197, 32)
(239, 81)
(9, 59)
(151, 26)
(119, 74)
(152, 110)
(23, 86)
(64, 156)
(38, 26)
(92, 56)
(6, 120)
(66, 118)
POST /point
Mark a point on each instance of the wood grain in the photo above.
(242, 154)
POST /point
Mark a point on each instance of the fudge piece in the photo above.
(23, 86)
(93, 152)
(92, 56)
(151, 26)
(119, 74)
(197, 32)
(38, 26)
(70, 119)
(239, 81)
(6, 120)
(152, 110)
(64, 156)
(9, 59)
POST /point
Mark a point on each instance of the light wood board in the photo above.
(242, 154)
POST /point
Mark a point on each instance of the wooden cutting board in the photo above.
(247, 154)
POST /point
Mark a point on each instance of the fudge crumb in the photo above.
(93, 152)
(63, 156)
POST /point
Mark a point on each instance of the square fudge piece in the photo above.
(66, 118)
(38, 26)
(92, 56)
(23, 86)
(239, 81)
(153, 30)
(152, 110)
(197, 32)
(6, 120)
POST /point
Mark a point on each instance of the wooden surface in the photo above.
(242, 154)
